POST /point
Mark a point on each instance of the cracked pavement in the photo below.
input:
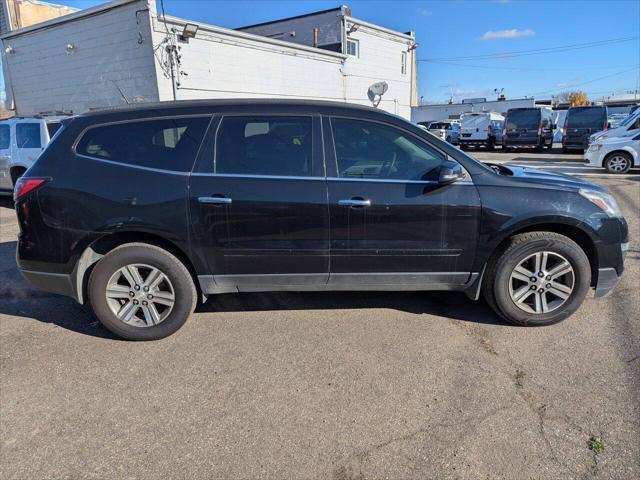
(322, 385)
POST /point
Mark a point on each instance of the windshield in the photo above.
(440, 125)
(586, 117)
(474, 121)
(629, 119)
(529, 118)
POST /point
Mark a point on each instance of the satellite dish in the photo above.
(376, 91)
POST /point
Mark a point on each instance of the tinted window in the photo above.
(28, 135)
(262, 145)
(53, 127)
(586, 117)
(5, 137)
(372, 150)
(529, 118)
(440, 125)
(169, 144)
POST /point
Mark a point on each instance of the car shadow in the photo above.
(20, 300)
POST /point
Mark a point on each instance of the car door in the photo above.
(392, 223)
(259, 204)
(30, 140)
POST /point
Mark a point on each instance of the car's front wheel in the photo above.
(618, 162)
(141, 291)
(539, 279)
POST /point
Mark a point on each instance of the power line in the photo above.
(583, 83)
(538, 51)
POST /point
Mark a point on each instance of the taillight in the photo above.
(26, 185)
(606, 126)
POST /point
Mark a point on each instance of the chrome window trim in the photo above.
(139, 167)
(266, 177)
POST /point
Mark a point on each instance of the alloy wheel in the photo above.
(618, 163)
(140, 295)
(542, 282)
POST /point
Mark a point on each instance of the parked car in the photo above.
(616, 154)
(481, 129)
(579, 124)
(631, 122)
(143, 210)
(447, 130)
(615, 119)
(21, 142)
(528, 127)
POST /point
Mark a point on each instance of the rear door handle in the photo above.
(215, 200)
(355, 202)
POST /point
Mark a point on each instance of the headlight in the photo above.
(595, 147)
(603, 200)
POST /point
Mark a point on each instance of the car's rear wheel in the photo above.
(539, 279)
(141, 291)
(618, 162)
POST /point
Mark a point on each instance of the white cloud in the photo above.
(424, 12)
(502, 34)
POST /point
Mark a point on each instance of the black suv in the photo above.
(144, 210)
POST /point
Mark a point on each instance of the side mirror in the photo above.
(450, 172)
(608, 124)
(554, 126)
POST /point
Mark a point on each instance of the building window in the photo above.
(353, 47)
(403, 67)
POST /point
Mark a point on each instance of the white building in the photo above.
(123, 51)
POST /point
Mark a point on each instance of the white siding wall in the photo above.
(108, 55)
(380, 59)
(222, 64)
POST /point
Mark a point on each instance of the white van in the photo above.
(484, 128)
(21, 142)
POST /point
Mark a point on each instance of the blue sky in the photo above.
(448, 30)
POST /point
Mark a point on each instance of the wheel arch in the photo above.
(103, 245)
(626, 150)
(574, 232)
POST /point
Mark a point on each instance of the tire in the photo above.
(565, 150)
(540, 146)
(463, 147)
(618, 162)
(500, 288)
(550, 146)
(144, 257)
(491, 144)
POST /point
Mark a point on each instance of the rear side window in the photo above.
(28, 135)
(376, 151)
(5, 137)
(168, 144)
(265, 145)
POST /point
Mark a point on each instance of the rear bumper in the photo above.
(58, 283)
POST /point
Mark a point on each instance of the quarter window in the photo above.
(265, 145)
(28, 135)
(372, 150)
(168, 144)
(5, 137)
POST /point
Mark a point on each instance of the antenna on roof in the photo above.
(121, 93)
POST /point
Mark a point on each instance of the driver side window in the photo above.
(373, 150)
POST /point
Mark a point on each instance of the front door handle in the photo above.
(215, 200)
(355, 202)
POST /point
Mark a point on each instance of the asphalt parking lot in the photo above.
(326, 385)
